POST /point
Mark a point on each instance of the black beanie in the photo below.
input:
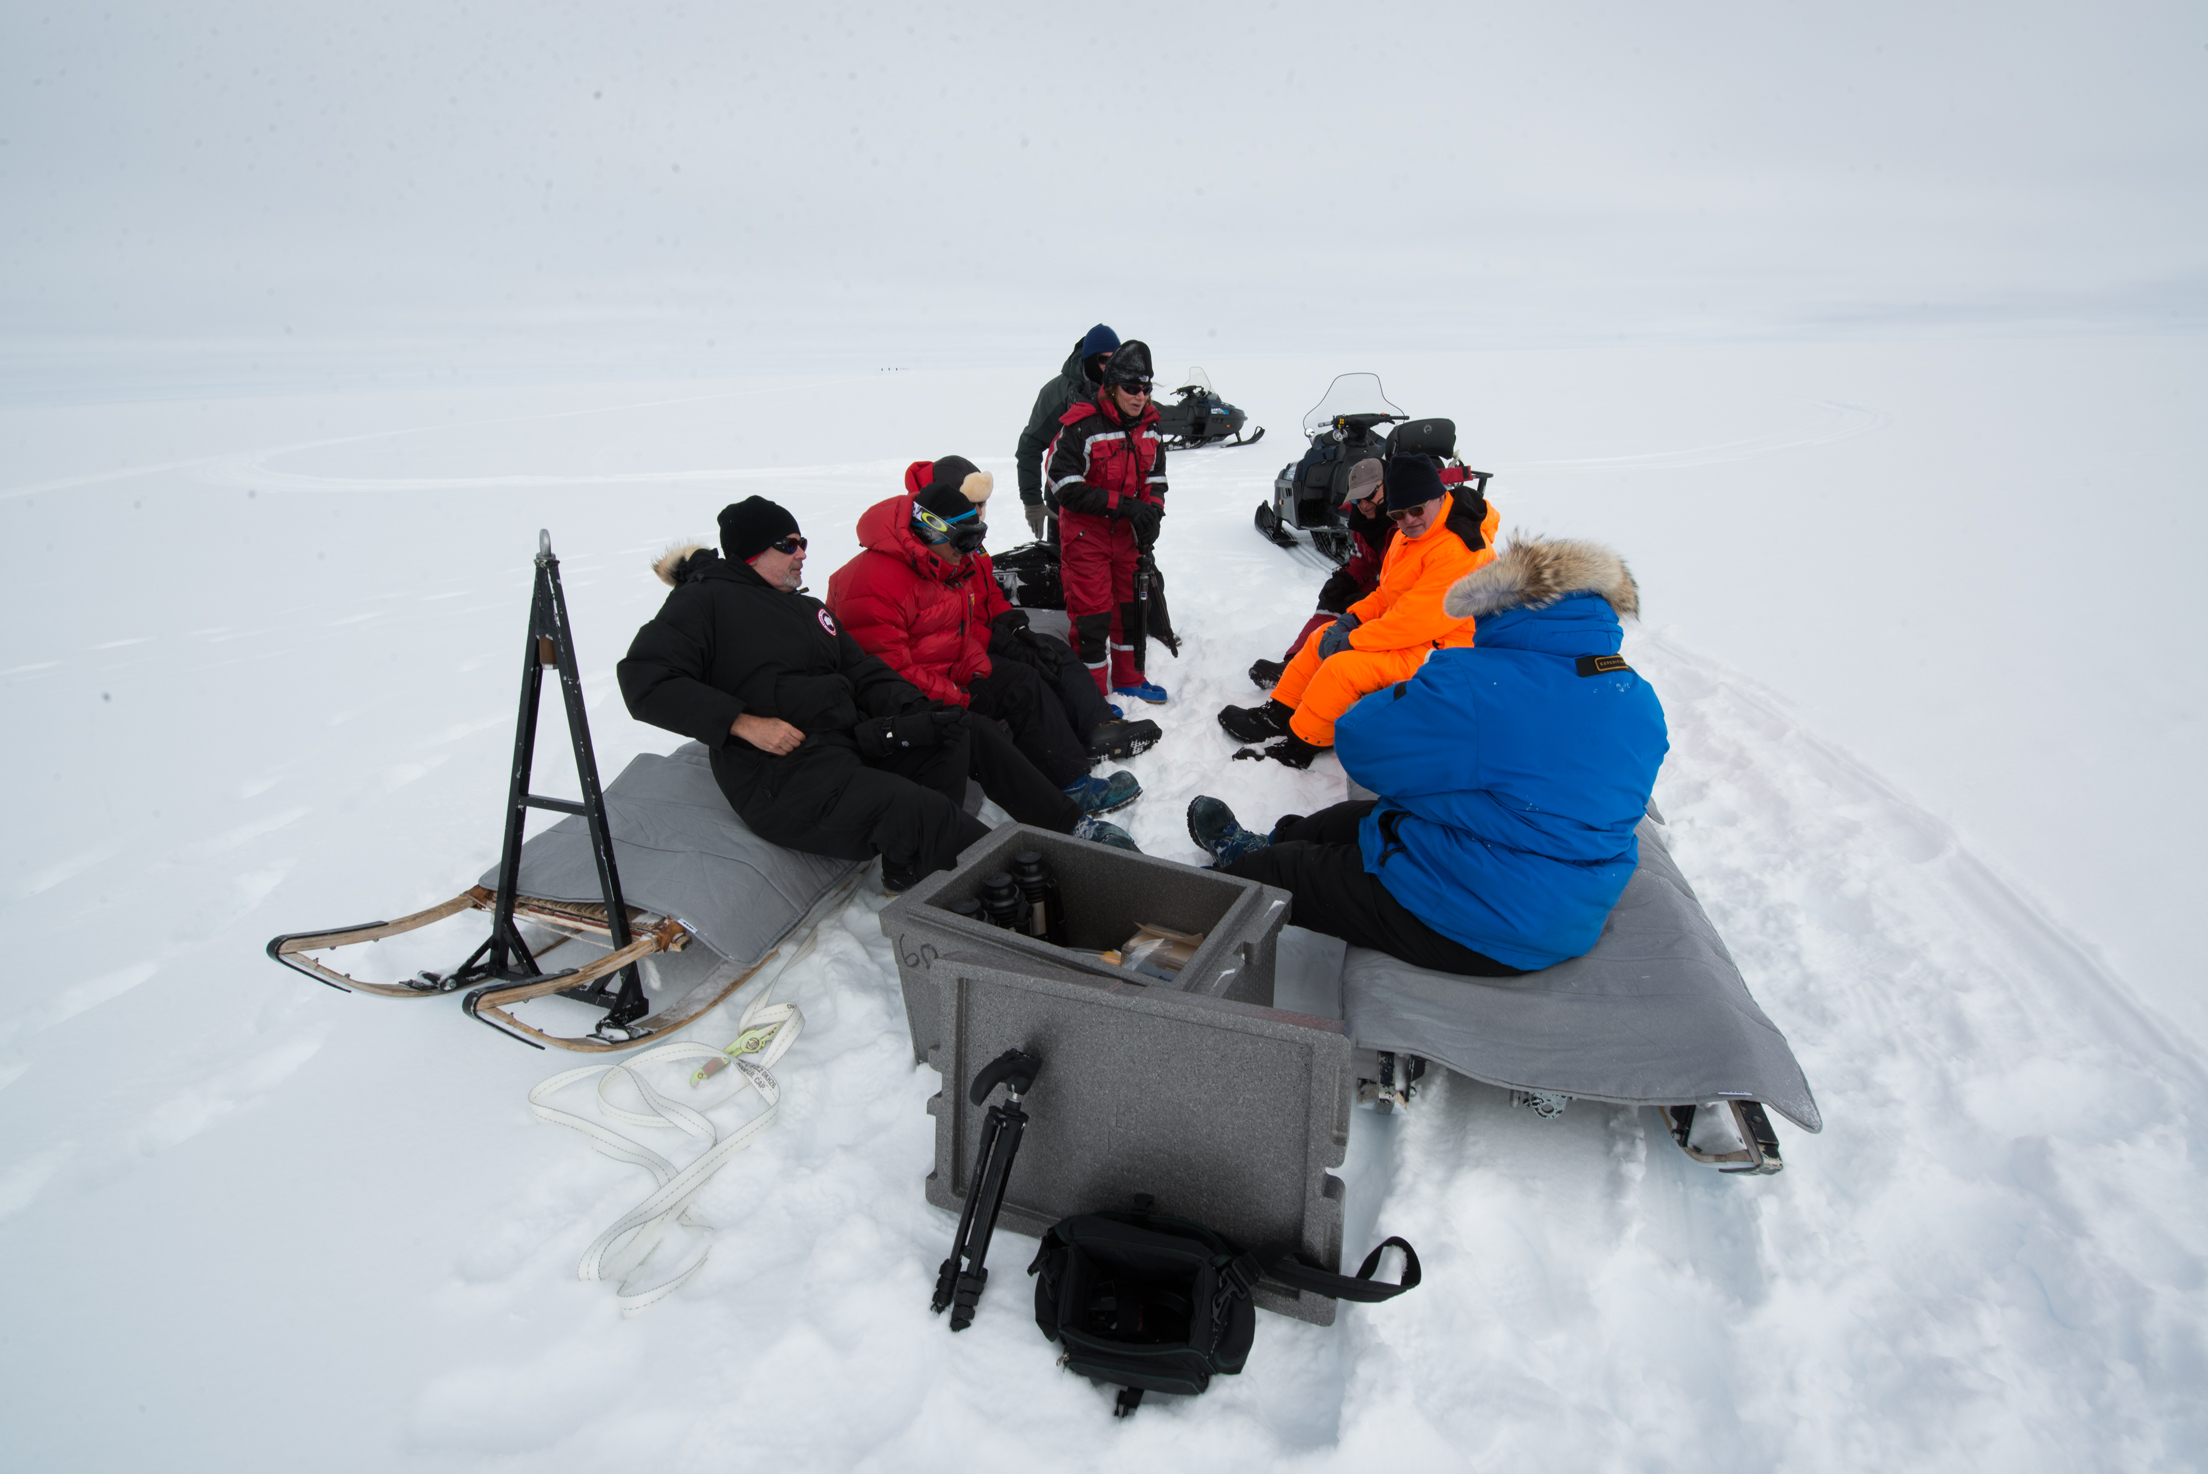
(1413, 480)
(750, 525)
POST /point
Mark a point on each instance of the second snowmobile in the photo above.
(1198, 416)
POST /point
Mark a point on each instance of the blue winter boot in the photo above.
(1145, 690)
(1104, 831)
(1103, 795)
(1212, 825)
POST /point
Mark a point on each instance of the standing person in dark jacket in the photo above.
(1105, 477)
(817, 745)
(1082, 376)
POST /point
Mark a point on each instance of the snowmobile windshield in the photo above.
(1198, 380)
(1349, 394)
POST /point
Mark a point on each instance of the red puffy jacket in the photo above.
(928, 620)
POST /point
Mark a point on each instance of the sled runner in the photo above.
(1656, 1015)
(629, 880)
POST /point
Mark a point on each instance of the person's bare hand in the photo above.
(768, 734)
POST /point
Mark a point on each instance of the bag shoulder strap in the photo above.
(1284, 1266)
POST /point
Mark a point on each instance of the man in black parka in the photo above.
(1081, 378)
(819, 746)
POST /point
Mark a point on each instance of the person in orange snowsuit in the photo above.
(1387, 635)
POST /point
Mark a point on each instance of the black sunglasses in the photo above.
(791, 544)
(1134, 386)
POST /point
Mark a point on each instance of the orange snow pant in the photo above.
(1321, 690)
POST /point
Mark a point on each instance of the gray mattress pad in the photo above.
(681, 851)
(1656, 1014)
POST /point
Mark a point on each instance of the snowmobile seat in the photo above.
(1656, 1015)
(1436, 438)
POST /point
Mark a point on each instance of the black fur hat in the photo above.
(1130, 363)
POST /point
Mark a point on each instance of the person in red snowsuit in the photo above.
(1105, 478)
(923, 597)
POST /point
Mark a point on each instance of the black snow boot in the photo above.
(1255, 723)
(1116, 741)
(1266, 674)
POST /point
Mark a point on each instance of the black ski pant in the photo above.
(1018, 695)
(1017, 785)
(824, 799)
(1085, 706)
(1319, 861)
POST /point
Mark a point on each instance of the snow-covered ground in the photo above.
(1934, 772)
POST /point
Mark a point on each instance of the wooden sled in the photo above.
(505, 969)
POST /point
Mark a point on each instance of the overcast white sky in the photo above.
(854, 184)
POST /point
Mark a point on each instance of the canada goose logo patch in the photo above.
(827, 621)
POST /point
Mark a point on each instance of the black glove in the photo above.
(879, 737)
(1042, 653)
(1335, 638)
(1010, 638)
(1144, 518)
(1340, 592)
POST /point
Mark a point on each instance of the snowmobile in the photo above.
(1198, 416)
(1344, 428)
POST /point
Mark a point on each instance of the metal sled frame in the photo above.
(503, 971)
(1759, 1149)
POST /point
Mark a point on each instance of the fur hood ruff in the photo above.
(1535, 572)
(668, 565)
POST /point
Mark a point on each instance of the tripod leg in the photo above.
(946, 1278)
(989, 1192)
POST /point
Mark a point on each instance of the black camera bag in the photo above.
(1151, 1303)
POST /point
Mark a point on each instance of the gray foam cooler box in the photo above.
(1197, 1092)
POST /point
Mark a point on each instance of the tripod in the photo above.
(960, 1287)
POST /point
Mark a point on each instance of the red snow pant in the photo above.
(1321, 690)
(1096, 560)
(1319, 621)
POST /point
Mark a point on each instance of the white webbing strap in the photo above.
(645, 1224)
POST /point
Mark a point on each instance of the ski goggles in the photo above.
(964, 532)
(791, 544)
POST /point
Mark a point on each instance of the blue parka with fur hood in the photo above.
(1510, 781)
